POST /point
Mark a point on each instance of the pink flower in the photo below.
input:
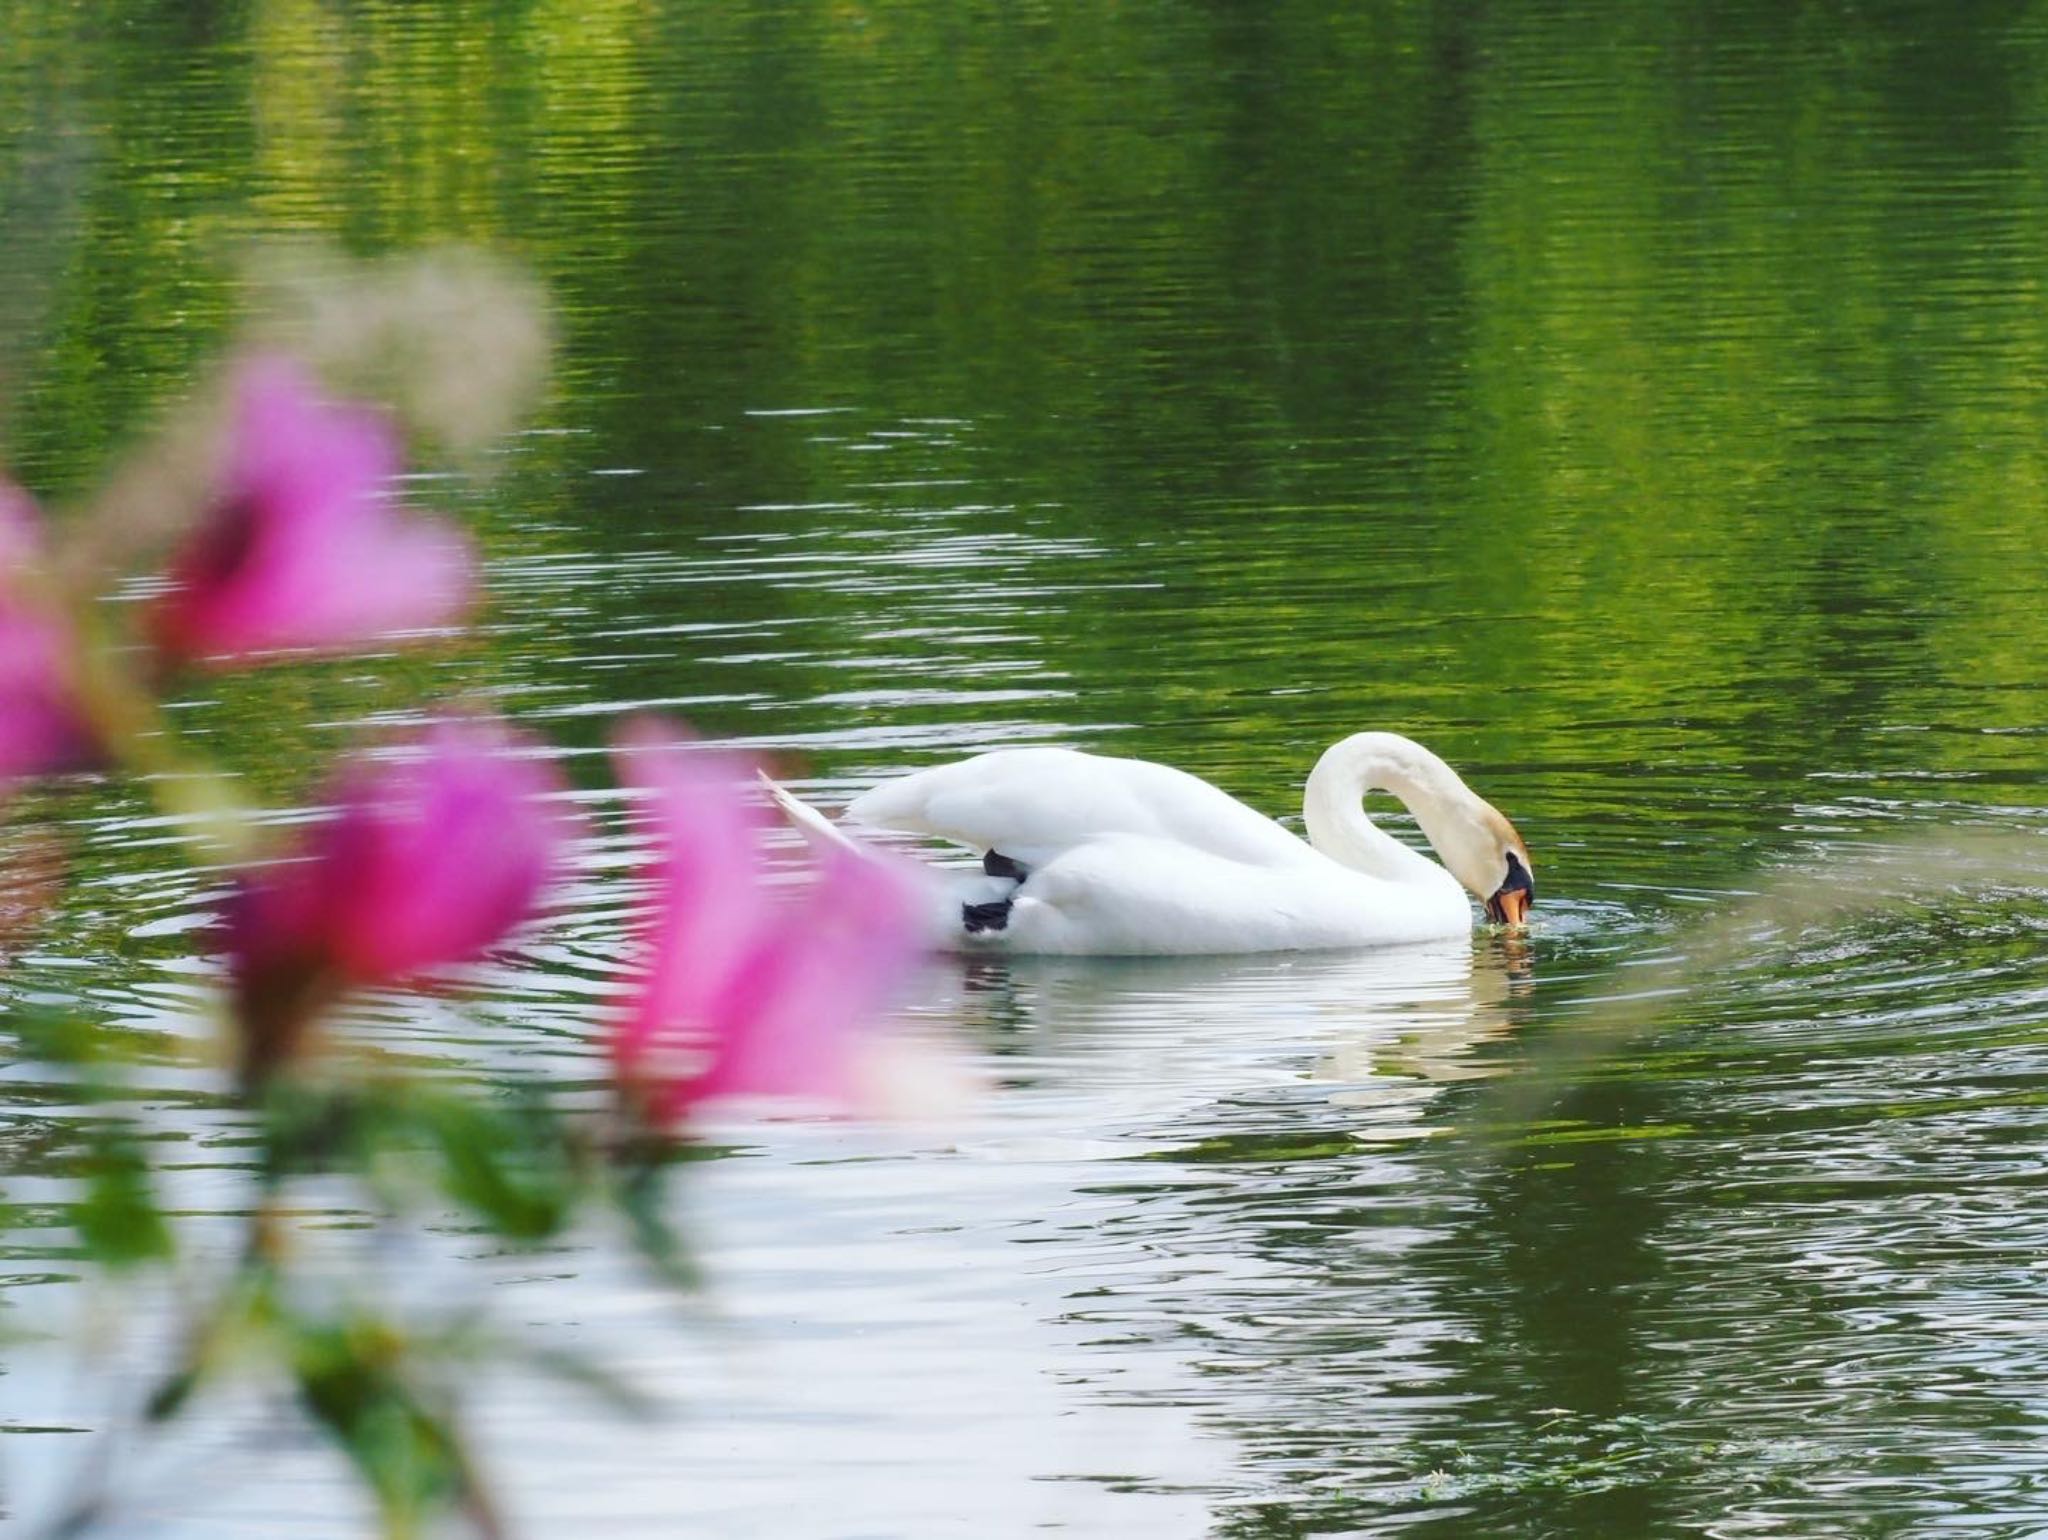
(302, 548)
(427, 861)
(745, 991)
(42, 729)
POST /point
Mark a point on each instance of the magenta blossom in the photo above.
(427, 861)
(302, 547)
(42, 729)
(744, 990)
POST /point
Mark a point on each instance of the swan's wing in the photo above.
(1127, 895)
(1034, 804)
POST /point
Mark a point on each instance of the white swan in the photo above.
(1121, 857)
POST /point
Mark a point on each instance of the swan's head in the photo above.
(1511, 900)
(1476, 844)
(1491, 860)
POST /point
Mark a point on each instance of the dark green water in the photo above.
(1643, 405)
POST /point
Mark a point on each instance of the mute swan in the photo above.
(1084, 853)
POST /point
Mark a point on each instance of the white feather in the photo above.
(813, 825)
(1126, 857)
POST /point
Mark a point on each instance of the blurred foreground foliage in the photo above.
(261, 509)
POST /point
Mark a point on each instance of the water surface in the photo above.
(1643, 406)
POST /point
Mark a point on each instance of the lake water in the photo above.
(1643, 406)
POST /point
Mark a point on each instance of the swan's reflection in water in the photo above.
(1248, 1214)
(1373, 1032)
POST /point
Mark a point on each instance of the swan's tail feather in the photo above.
(805, 819)
(963, 906)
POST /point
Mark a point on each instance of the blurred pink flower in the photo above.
(745, 991)
(42, 729)
(302, 548)
(427, 861)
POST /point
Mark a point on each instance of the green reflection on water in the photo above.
(1643, 405)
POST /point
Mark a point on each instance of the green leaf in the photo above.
(509, 1158)
(118, 1219)
(642, 1196)
(172, 1392)
(56, 1036)
(240, 1320)
(310, 1128)
(357, 1380)
(511, 1163)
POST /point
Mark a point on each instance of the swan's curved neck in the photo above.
(1333, 805)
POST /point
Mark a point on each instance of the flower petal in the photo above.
(431, 861)
(711, 907)
(787, 1023)
(743, 991)
(304, 549)
(42, 729)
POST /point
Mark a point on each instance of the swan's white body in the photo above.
(1126, 857)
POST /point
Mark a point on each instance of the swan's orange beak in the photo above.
(1510, 904)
